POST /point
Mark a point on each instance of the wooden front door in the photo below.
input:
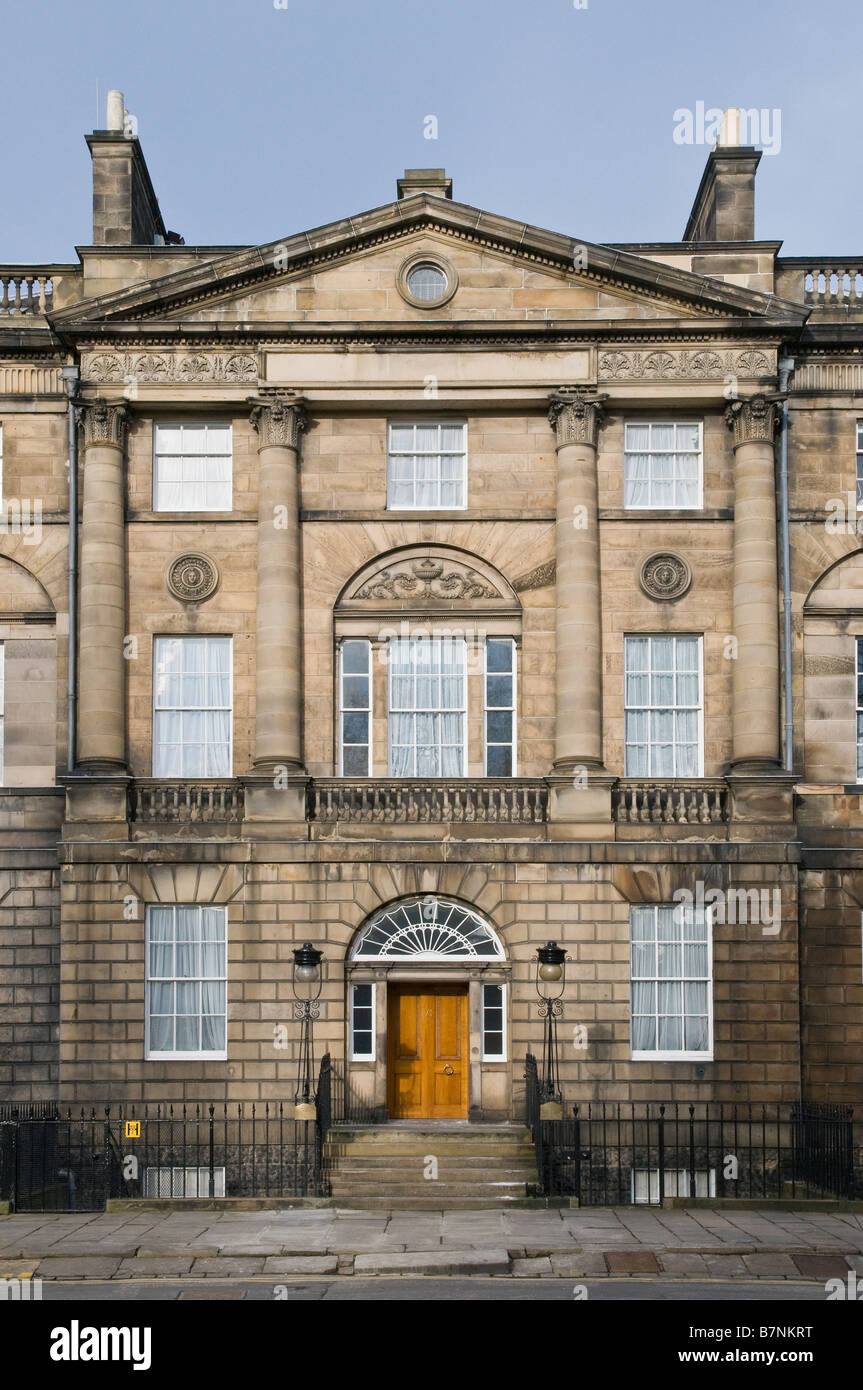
(427, 1048)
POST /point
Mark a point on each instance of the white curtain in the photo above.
(636, 484)
(426, 715)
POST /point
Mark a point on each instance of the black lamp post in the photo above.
(550, 984)
(306, 981)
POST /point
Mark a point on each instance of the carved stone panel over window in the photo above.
(427, 579)
(430, 578)
(665, 576)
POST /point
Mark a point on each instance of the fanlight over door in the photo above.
(427, 928)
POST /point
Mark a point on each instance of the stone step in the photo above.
(360, 1153)
(470, 1134)
(442, 1203)
(396, 1190)
(478, 1169)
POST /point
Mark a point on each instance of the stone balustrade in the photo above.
(186, 802)
(832, 284)
(400, 801)
(829, 283)
(27, 293)
(685, 802)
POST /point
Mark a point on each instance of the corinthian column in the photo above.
(102, 678)
(279, 420)
(755, 715)
(576, 417)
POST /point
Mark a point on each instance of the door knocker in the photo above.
(448, 1071)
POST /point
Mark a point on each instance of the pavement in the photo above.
(591, 1242)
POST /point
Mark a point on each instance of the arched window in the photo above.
(427, 639)
(427, 928)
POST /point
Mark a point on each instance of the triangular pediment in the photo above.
(349, 271)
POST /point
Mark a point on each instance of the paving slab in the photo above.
(435, 1262)
(532, 1268)
(769, 1264)
(587, 1264)
(725, 1266)
(631, 1262)
(79, 1267)
(822, 1266)
(231, 1268)
(301, 1264)
(149, 1267)
(685, 1265)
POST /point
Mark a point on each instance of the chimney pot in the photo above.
(116, 115)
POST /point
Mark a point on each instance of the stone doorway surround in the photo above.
(489, 1083)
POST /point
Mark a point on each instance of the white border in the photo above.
(361, 1056)
(180, 424)
(439, 776)
(504, 1055)
(485, 708)
(657, 1056)
(440, 423)
(661, 507)
(340, 710)
(220, 1056)
(634, 709)
(181, 776)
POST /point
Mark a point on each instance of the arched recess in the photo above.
(428, 957)
(28, 664)
(833, 673)
(424, 608)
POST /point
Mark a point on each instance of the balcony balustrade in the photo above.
(693, 801)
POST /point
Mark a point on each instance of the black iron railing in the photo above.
(618, 1154)
(347, 1108)
(75, 1161)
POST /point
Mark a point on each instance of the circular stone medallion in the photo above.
(192, 578)
(665, 576)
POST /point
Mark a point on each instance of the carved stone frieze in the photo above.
(575, 415)
(702, 364)
(753, 421)
(426, 579)
(192, 577)
(154, 368)
(279, 419)
(665, 576)
(538, 578)
(104, 423)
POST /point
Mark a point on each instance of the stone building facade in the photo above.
(427, 604)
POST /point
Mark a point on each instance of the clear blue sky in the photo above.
(257, 122)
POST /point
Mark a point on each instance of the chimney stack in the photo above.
(424, 181)
(125, 207)
(724, 207)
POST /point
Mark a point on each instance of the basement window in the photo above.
(183, 1182)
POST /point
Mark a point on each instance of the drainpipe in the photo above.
(786, 367)
(70, 377)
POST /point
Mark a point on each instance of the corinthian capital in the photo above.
(279, 419)
(576, 416)
(104, 422)
(753, 421)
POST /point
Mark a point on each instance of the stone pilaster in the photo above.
(102, 627)
(576, 417)
(755, 710)
(279, 419)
